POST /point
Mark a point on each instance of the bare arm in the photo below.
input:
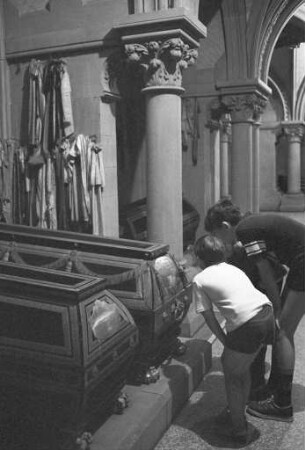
(214, 326)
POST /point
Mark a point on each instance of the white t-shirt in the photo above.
(231, 291)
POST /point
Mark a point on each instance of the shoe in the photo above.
(268, 409)
(245, 437)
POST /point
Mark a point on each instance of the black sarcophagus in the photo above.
(66, 345)
(142, 275)
(133, 221)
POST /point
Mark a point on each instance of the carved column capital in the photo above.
(226, 129)
(162, 61)
(213, 125)
(294, 131)
(244, 107)
(112, 70)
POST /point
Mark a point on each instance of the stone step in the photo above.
(152, 407)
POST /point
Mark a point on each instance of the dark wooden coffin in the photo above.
(150, 284)
(66, 345)
(133, 221)
(82, 242)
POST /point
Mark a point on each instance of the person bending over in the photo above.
(249, 323)
(285, 237)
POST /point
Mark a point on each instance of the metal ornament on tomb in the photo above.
(66, 345)
(149, 282)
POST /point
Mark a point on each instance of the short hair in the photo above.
(222, 211)
(210, 249)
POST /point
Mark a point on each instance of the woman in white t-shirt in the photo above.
(249, 323)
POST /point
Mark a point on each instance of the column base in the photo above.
(292, 202)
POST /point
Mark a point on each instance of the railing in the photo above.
(144, 6)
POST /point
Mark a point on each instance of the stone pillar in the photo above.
(294, 200)
(214, 127)
(256, 167)
(271, 198)
(224, 158)
(163, 62)
(242, 152)
(164, 167)
(244, 103)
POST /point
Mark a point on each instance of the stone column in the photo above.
(256, 167)
(242, 152)
(162, 43)
(163, 62)
(245, 150)
(294, 200)
(224, 158)
(214, 127)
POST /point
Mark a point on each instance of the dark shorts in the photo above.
(296, 276)
(251, 335)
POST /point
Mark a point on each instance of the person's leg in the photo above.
(259, 366)
(292, 312)
(236, 368)
(257, 370)
(279, 407)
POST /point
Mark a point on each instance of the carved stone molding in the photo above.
(162, 61)
(279, 91)
(120, 79)
(111, 72)
(274, 15)
(294, 131)
(244, 107)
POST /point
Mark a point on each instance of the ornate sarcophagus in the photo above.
(66, 345)
(142, 275)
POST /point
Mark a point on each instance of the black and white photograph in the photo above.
(152, 224)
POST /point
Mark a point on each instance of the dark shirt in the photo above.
(281, 235)
(239, 259)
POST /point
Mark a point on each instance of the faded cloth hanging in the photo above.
(190, 126)
(84, 179)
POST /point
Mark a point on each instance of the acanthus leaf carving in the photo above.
(245, 106)
(162, 61)
(294, 131)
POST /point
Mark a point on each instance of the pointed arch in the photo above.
(264, 31)
(281, 95)
(300, 103)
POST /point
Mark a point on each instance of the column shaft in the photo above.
(216, 164)
(224, 164)
(294, 167)
(294, 200)
(242, 165)
(164, 170)
(256, 168)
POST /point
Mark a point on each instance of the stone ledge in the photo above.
(153, 407)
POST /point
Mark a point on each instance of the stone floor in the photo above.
(194, 428)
